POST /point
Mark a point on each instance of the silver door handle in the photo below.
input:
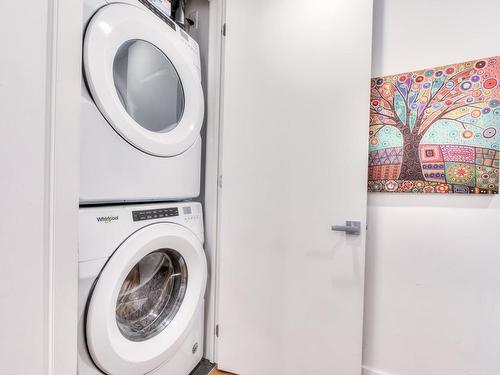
(350, 227)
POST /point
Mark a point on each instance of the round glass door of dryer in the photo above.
(148, 86)
(146, 299)
(143, 80)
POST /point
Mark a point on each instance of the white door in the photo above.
(143, 79)
(294, 163)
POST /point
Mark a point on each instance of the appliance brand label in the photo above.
(106, 219)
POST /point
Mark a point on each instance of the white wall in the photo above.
(39, 114)
(23, 67)
(433, 262)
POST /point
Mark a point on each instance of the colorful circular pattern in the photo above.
(419, 184)
(466, 86)
(407, 185)
(467, 134)
(476, 113)
(475, 79)
(442, 188)
(391, 185)
(494, 103)
(450, 70)
(459, 173)
(480, 64)
(490, 83)
(489, 132)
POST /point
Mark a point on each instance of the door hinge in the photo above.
(224, 29)
(216, 330)
(219, 181)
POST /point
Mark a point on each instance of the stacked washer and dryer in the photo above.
(142, 265)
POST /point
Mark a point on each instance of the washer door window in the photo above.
(143, 79)
(146, 299)
(151, 294)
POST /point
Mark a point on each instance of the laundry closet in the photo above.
(211, 208)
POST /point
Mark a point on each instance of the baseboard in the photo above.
(371, 371)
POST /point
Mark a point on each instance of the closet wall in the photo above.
(206, 32)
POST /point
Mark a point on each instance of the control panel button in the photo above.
(155, 214)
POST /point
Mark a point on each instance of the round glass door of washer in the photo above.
(151, 295)
(145, 299)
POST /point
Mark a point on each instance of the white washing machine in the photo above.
(142, 105)
(143, 274)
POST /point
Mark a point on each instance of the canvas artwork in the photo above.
(436, 130)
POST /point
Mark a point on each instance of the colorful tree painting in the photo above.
(436, 130)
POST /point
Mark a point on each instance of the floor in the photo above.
(218, 372)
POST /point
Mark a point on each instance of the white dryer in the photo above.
(142, 105)
(143, 274)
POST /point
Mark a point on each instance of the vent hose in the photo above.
(178, 12)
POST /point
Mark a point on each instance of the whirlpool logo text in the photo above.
(106, 219)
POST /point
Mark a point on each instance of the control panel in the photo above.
(155, 214)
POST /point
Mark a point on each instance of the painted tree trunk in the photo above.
(411, 168)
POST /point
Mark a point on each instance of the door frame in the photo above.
(213, 173)
(62, 160)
